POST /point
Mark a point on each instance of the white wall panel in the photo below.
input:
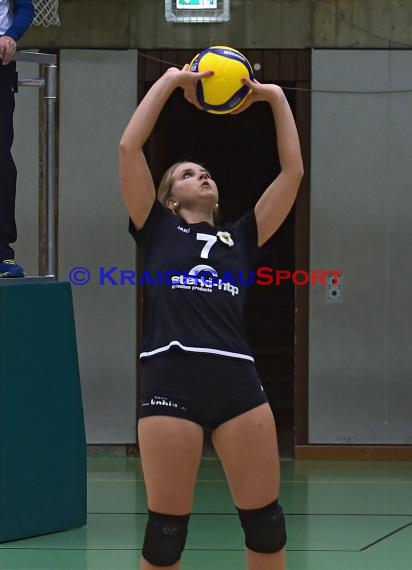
(360, 361)
(98, 95)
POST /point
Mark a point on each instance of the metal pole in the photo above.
(50, 98)
(48, 256)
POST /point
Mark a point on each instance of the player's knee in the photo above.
(264, 528)
(165, 538)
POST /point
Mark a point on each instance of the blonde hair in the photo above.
(165, 187)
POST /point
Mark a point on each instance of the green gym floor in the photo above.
(340, 516)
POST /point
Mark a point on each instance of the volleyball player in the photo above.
(198, 370)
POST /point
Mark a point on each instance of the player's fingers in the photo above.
(248, 102)
(191, 98)
(252, 84)
(190, 93)
(196, 103)
(208, 73)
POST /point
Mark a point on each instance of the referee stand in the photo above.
(42, 433)
(42, 436)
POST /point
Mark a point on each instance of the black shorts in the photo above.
(206, 389)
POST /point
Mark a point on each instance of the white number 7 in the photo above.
(210, 241)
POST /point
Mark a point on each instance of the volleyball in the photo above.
(223, 92)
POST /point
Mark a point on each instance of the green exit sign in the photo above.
(196, 4)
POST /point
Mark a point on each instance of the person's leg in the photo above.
(170, 450)
(247, 447)
(8, 232)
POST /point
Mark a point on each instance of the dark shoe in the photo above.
(9, 268)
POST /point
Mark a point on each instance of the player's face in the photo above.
(193, 185)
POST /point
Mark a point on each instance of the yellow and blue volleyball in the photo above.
(223, 92)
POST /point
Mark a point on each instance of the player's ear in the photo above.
(172, 204)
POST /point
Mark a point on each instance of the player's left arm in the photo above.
(276, 202)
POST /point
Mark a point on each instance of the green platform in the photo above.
(42, 437)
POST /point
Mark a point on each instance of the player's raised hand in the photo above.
(187, 80)
(258, 92)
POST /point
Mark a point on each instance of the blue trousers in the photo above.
(8, 175)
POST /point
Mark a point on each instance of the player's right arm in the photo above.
(135, 177)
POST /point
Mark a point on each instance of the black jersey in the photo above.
(196, 278)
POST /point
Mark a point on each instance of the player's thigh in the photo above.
(247, 447)
(170, 450)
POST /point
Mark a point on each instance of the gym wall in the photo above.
(360, 360)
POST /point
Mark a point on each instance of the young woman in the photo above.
(198, 370)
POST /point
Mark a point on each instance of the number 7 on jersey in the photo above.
(210, 241)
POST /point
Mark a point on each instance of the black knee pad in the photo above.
(165, 538)
(264, 528)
